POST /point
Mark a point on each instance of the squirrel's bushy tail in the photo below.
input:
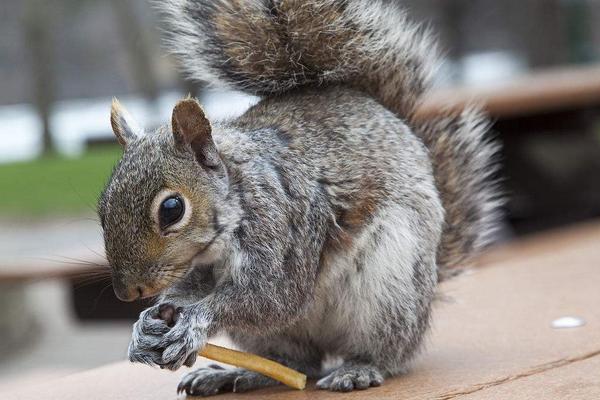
(273, 46)
(464, 164)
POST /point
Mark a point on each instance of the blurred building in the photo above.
(113, 47)
(96, 49)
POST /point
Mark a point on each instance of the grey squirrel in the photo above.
(316, 224)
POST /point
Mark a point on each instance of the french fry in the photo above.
(252, 362)
(168, 313)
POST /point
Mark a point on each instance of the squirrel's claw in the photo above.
(167, 337)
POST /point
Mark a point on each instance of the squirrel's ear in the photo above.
(191, 128)
(124, 126)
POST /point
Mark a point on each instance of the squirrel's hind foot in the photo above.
(350, 377)
(215, 379)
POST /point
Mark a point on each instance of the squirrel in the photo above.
(319, 222)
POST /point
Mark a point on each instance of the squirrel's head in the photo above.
(159, 210)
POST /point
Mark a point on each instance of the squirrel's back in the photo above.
(269, 47)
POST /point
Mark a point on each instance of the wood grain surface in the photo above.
(491, 337)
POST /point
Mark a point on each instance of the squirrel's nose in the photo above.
(132, 293)
(128, 293)
(125, 292)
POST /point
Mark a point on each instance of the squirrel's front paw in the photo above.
(168, 337)
(187, 335)
(147, 332)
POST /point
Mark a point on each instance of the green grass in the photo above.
(55, 185)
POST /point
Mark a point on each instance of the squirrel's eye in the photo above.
(171, 211)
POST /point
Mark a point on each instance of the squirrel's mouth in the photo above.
(208, 244)
(149, 293)
(171, 274)
(205, 255)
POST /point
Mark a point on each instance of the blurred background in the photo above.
(62, 61)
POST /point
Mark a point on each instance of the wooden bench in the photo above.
(535, 93)
(491, 336)
(36, 271)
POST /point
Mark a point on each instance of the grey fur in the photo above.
(213, 380)
(351, 376)
(320, 230)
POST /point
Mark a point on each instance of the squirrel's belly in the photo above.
(373, 287)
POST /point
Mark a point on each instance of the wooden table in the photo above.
(535, 93)
(491, 336)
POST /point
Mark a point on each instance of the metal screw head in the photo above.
(567, 322)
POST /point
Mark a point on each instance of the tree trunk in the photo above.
(37, 24)
(138, 49)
